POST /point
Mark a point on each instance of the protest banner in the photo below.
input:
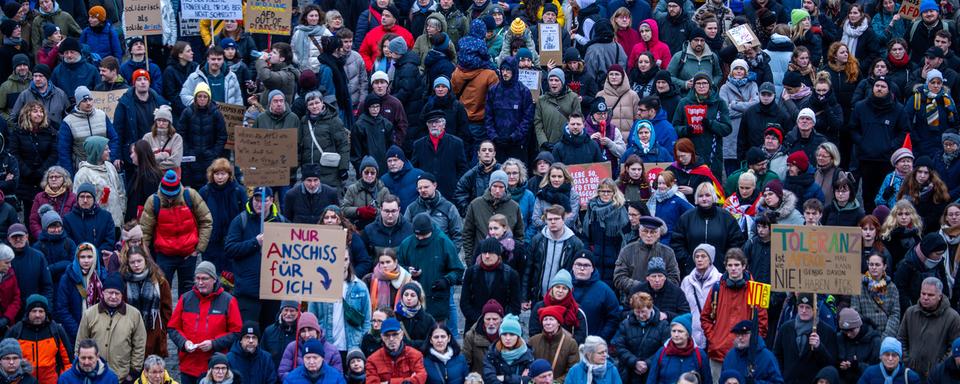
(530, 79)
(910, 9)
(143, 18)
(654, 169)
(232, 117)
(743, 37)
(189, 27)
(266, 148)
(268, 16)
(265, 176)
(550, 44)
(302, 262)
(586, 178)
(758, 294)
(211, 9)
(106, 101)
(815, 259)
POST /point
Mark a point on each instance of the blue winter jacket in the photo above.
(94, 225)
(665, 369)
(453, 372)
(69, 304)
(766, 368)
(873, 374)
(256, 367)
(578, 375)
(103, 375)
(69, 76)
(357, 297)
(599, 304)
(125, 120)
(665, 133)
(156, 77)
(509, 108)
(104, 42)
(403, 183)
(669, 211)
(241, 246)
(330, 375)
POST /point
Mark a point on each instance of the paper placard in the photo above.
(189, 27)
(107, 101)
(651, 170)
(743, 37)
(531, 79)
(550, 44)
(815, 259)
(302, 262)
(268, 16)
(266, 148)
(142, 18)
(910, 9)
(211, 9)
(232, 117)
(265, 176)
(586, 178)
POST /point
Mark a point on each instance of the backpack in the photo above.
(179, 235)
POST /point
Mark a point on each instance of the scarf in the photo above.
(94, 288)
(144, 294)
(443, 357)
(673, 350)
(595, 372)
(852, 33)
(888, 378)
(487, 169)
(489, 268)
(54, 192)
(876, 287)
(803, 92)
(405, 311)
(381, 281)
(15, 377)
(569, 320)
(611, 218)
(931, 108)
(556, 195)
(948, 158)
(512, 355)
(663, 196)
(516, 193)
(737, 82)
(899, 63)
(805, 71)
(803, 328)
(952, 242)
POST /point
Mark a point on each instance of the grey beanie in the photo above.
(499, 176)
(274, 93)
(207, 268)
(6, 254)
(557, 72)
(10, 346)
(709, 249)
(951, 136)
(48, 216)
(87, 188)
(398, 45)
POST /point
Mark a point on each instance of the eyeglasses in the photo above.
(604, 192)
(369, 172)
(392, 335)
(582, 265)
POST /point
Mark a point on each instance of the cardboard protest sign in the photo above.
(266, 176)
(550, 44)
(815, 259)
(654, 169)
(268, 16)
(586, 178)
(107, 101)
(910, 9)
(233, 117)
(302, 262)
(189, 27)
(142, 18)
(211, 9)
(266, 148)
(530, 79)
(743, 37)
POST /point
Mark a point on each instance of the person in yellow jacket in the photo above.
(155, 372)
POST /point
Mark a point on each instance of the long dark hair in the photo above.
(425, 349)
(147, 166)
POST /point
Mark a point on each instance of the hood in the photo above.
(438, 17)
(511, 63)
(655, 32)
(788, 205)
(94, 146)
(56, 9)
(478, 29)
(634, 139)
(622, 89)
(661, 114)
(830, 374)
(567, 233)
(74, 270)
(780, 43)
(432, 7)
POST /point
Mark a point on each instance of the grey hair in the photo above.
(590, 345)
(153, 361)
(67, 178)
(933, 282)
(748, 177)
(313, 95)
(519, 164)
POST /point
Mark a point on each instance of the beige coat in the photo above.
(122, 338)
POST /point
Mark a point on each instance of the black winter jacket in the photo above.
(862, 351)
(447, 163)
(204, 135)
(638, 341)
(713, 226)
(299, 206)
(479, 285)
(754, 123)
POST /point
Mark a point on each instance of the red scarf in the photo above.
(570, 315)
(436, 140)
(488, 268)
(899, 63)
(674, 350)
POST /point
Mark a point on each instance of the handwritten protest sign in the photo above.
(910, 9)
(758, 294)
(586, 178)
(815, 259)
(743, 37)
(530, 79)
(302, 262)
(189, 27)
(265, 176)
(107, 101)
(550, 44)
(266, 148)
(211, 9)
(142, 18)
(268, 16)
(233, 117)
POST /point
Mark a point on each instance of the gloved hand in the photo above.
(547, 146)
(438, 285)
(367, 212)
(887, 193)
(344, 175)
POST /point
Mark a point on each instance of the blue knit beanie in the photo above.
(686, 321)
(562, 278)
(511, 324)
(929, 5)
(170, 185)
(890, 344)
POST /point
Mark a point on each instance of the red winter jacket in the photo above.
(9, 297)
(718, 318)
(197, 318)
(381, 368)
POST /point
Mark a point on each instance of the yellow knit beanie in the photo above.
(518, 26)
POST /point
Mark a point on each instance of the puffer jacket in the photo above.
(331, 136)
(358, 80)
(198, 317)
(713, 226)
(621, 104)
(638, 341)
(72, 75)
(495, 367)
(472, 184)
(36, 152)
(45, 347)
(149, 221)
(696, 291)
(242, 247)
(76, 127)
(231, 86)
(579, 149)
(204, 132)
(102, 40)
(407, 366)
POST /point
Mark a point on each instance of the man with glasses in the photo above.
(30, 265)
(395, 362)
(442, 213)
(82, 122)
(649, 108)
(597, 301)
(440, 153)
(205, 320)
(631, 269)
(118, 328)
(389, 230)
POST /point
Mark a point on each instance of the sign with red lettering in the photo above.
(586, 178)
(302, 262)
(815, 259)
(910, 9)
(695, 114)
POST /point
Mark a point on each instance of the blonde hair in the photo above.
(617, 199)
(502, 220)
(890, 223)
(558, 166)
(668, 178)
(706, 186)
(641, 300)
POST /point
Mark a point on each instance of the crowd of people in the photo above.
(131, 234)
